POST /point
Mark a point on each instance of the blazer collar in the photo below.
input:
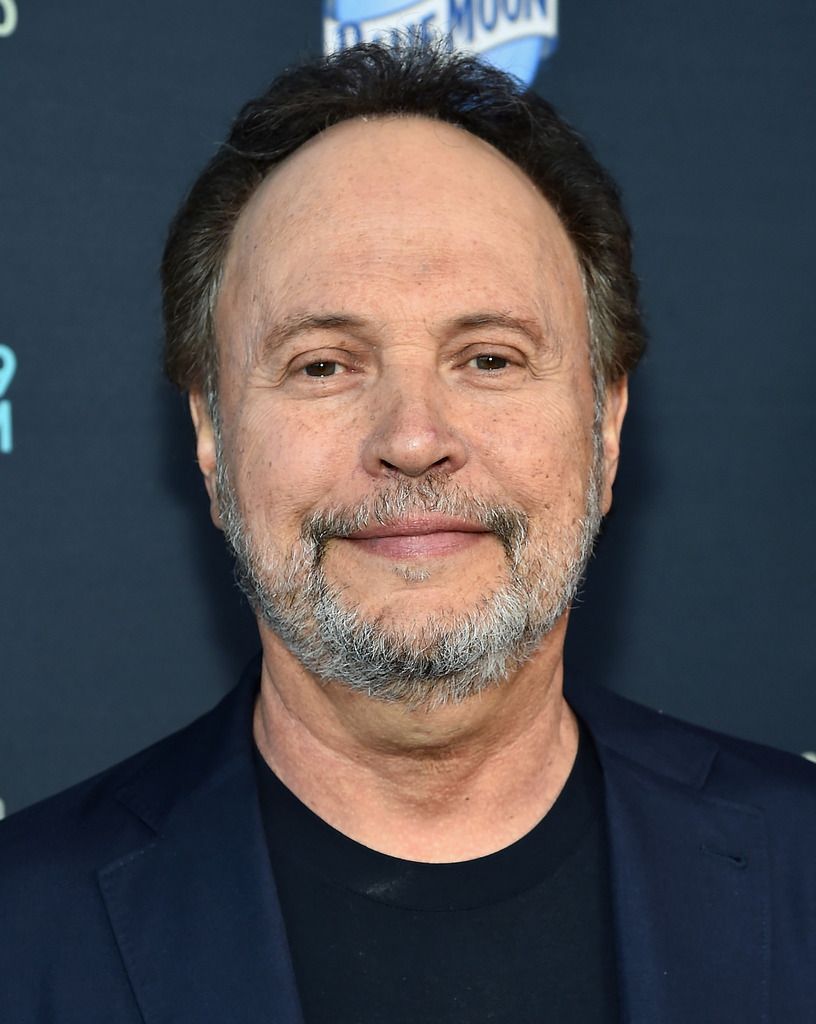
(656, 742)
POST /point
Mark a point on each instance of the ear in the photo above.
(615, 402)
(205, 449)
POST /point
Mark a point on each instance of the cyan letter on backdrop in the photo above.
(8, 366)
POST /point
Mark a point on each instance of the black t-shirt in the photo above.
(524, 934)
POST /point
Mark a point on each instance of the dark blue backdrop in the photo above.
(118, 617)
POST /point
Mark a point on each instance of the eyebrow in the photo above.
(489, 318)
(291, 327)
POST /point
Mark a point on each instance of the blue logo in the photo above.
(514, 35)
(8, 367)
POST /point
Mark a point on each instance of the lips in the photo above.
(420, 537)
(419, 527)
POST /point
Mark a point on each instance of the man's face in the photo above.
(410, 464)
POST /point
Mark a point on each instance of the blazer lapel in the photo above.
(689, 873)
(194, 911)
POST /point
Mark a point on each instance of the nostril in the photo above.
(404, 470)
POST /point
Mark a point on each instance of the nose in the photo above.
(411, 431)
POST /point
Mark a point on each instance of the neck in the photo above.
(443, 784)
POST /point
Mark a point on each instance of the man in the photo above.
(401, 300)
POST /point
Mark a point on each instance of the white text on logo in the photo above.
(471, 25)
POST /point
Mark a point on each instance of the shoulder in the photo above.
(722, 765)
(78, 825)
(54, 855)
(97, 820)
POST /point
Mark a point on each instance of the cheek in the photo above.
(286, 463)
(539, 454)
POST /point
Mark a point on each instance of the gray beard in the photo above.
(448, 657)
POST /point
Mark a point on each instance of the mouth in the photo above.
(419, 537)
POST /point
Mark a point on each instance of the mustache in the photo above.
(400, 499)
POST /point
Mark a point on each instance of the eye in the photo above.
(489, 362)
(322, 368)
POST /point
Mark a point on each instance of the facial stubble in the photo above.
(445, 657)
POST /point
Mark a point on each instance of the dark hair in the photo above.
(378, 80)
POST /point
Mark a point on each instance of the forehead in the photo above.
(377, 211)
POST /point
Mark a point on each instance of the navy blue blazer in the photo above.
(145, 895)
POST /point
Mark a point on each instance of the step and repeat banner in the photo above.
(119, 618)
